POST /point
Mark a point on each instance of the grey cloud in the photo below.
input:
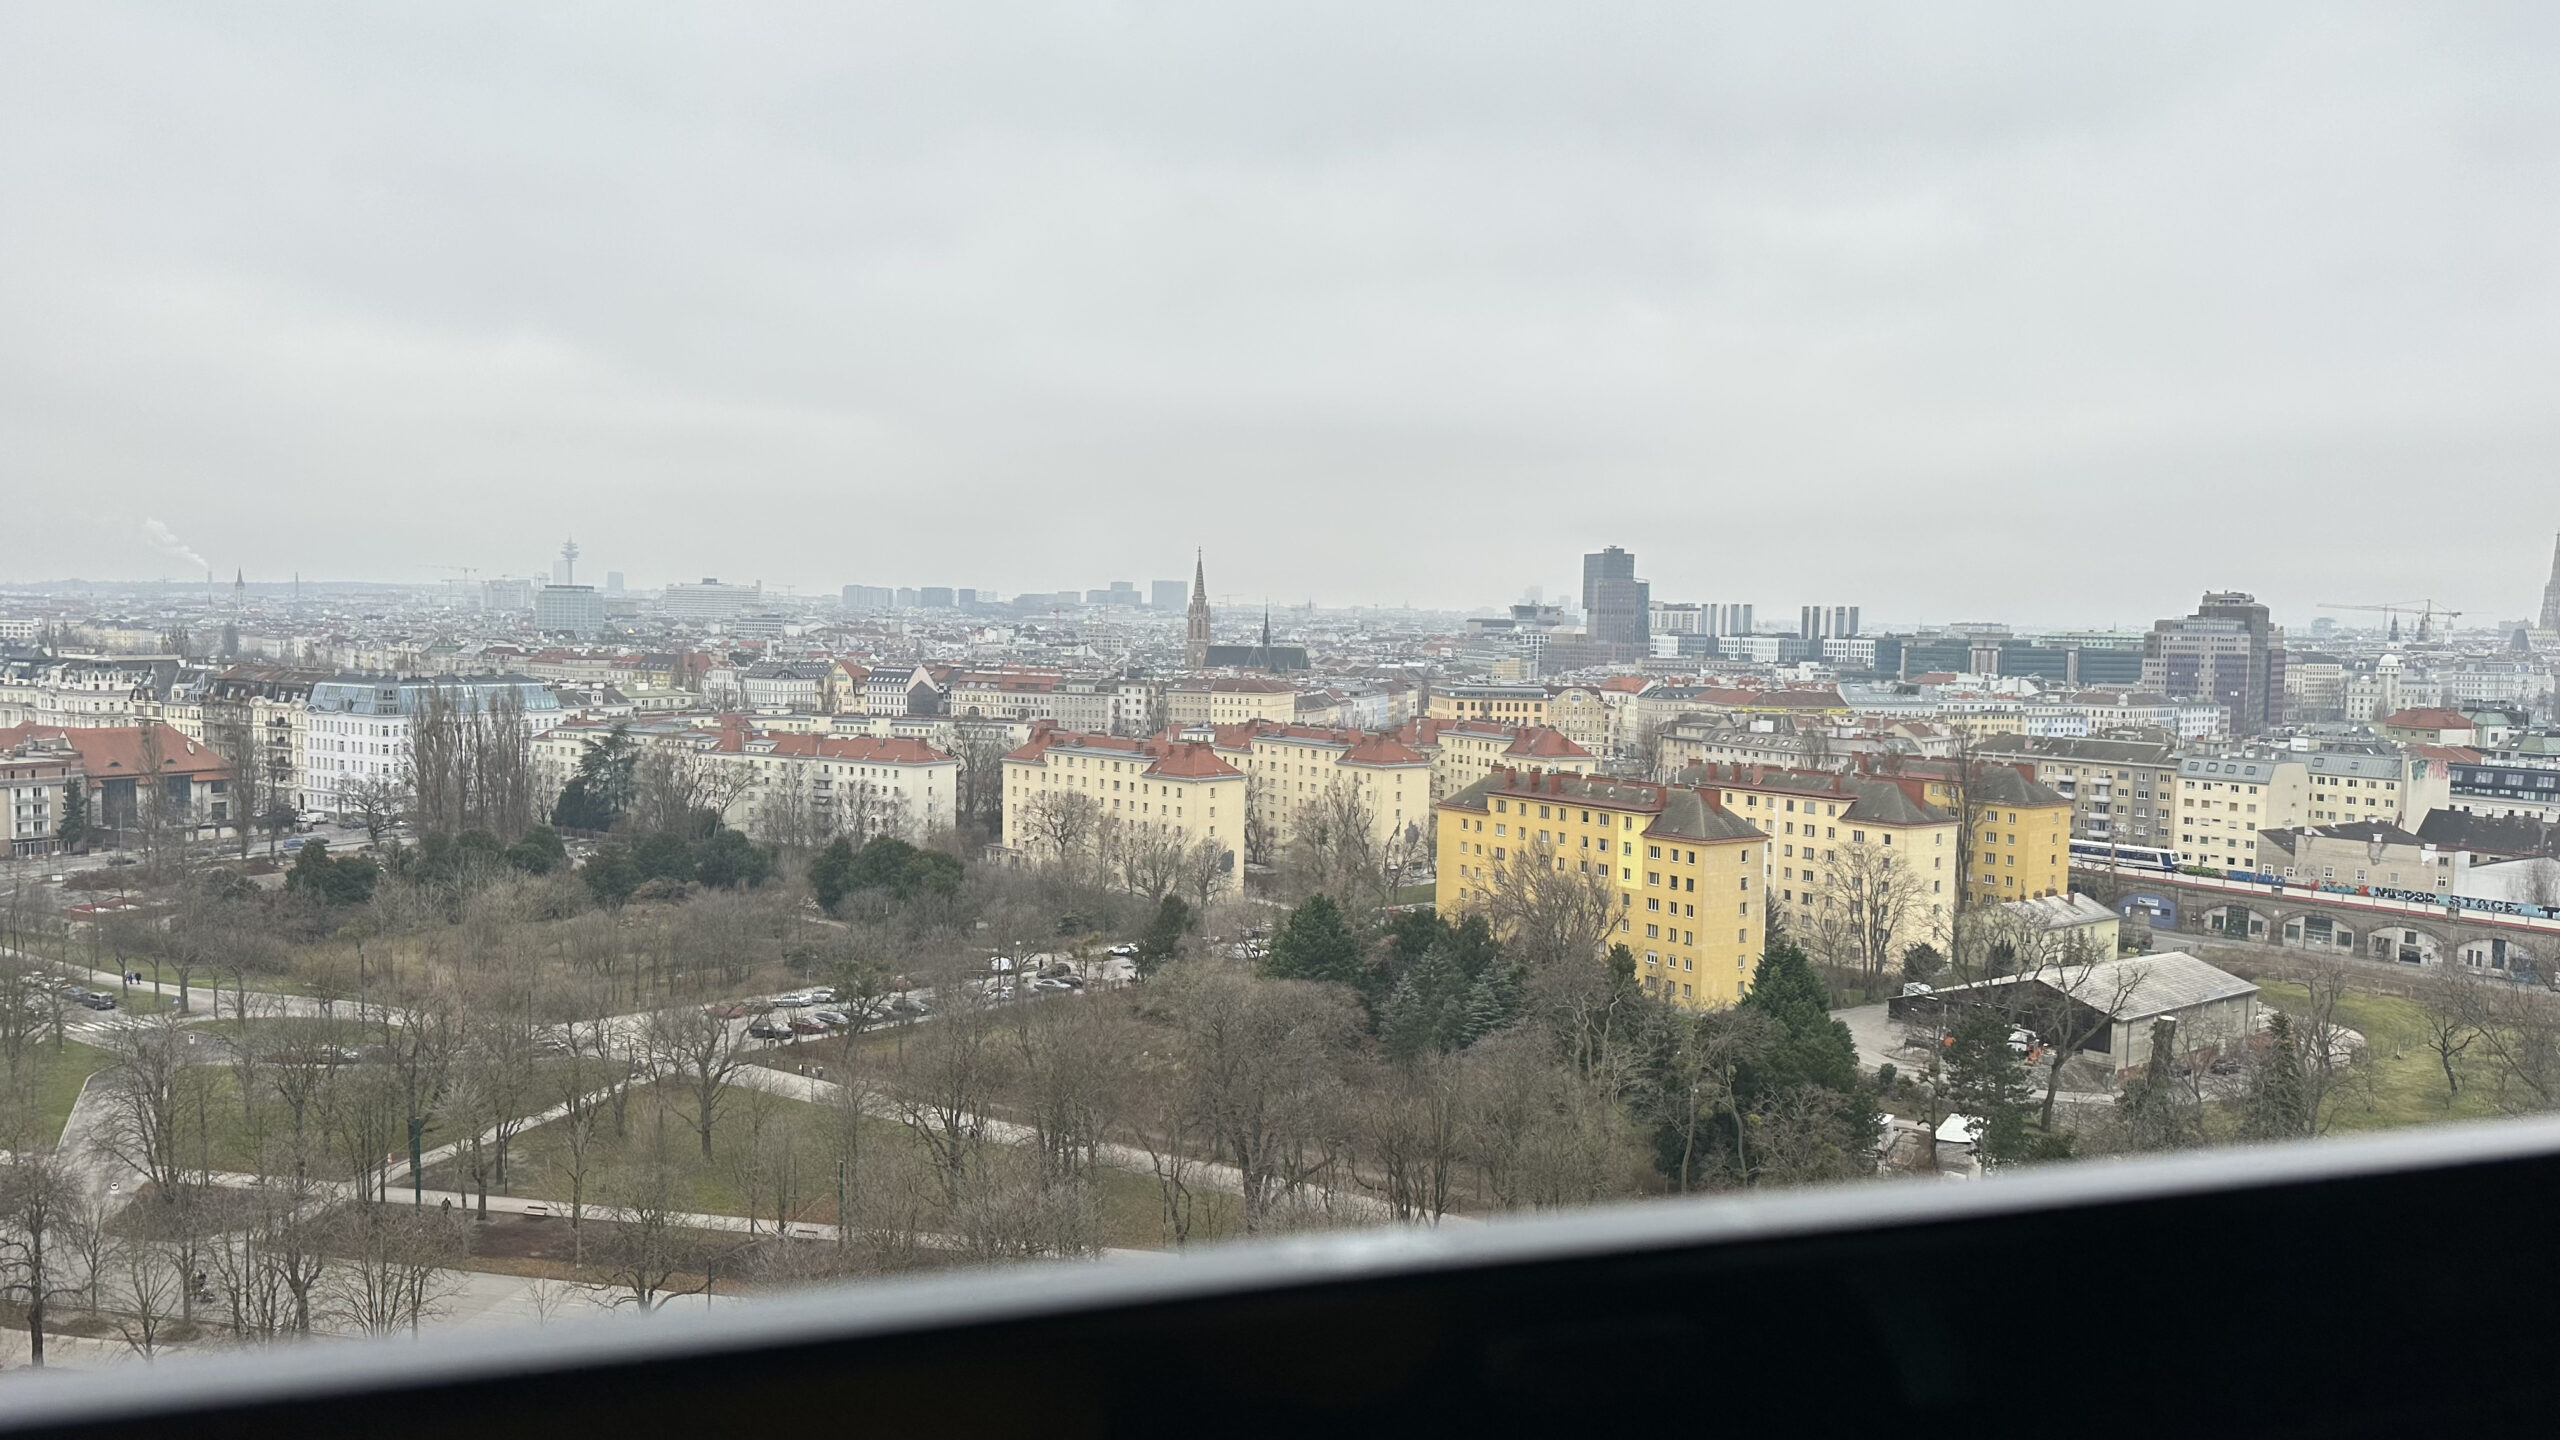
(1993, 309)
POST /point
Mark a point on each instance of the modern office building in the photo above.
(568, 610)
(1817, 622)
(711, 600)
(2227, 653)
(1617, 607)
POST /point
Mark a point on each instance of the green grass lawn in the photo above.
(1131, 1210)
(50, 1077)
(2408, 1084)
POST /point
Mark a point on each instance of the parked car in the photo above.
(97, 1000)
(804, 1025)
(770, 1030)
(794, 1001)
(293, 844)
(729, 1010)
(1050, 983)
(835, 1018)
(1122, 951)
(909, 1005)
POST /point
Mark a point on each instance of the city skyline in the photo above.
(1874, 286)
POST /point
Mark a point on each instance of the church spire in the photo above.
(1196, 652)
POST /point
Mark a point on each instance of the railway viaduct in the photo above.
(2299, 917)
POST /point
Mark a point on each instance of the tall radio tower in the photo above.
(569, 562)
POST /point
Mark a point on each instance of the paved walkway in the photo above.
(1005, 1132)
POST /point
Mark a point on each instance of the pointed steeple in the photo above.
(2551, 593)
(1196, 652)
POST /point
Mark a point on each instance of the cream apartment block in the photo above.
(1834, 835)
(2224, 801)
(1298, 776)
(1230, 700)
(1176, 790)
(781, 785)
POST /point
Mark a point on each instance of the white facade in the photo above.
(358, 729)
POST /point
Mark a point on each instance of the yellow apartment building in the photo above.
(1836, 841)
(1499, 704)
(2021, 830)
(1230, 700)
(1465, 751)
(1297, 774)
(1684, 872)
(1173, 789)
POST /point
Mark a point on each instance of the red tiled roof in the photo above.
(1546, 743)
(108, 752)
(1382, 750)
(1182, 760)
(1173, 759)
(2427, 718)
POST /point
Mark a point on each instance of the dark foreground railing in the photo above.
(2393, 1286)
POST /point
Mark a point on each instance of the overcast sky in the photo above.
(1947, 311)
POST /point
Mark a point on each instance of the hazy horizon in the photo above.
(1992, 312)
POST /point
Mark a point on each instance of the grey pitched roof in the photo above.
(2153, 985)
(1686, 815)
(2136, 987)
(1884, 803)
(2366, 830)
(2506, 835)
(2072, 747)
(2000, 785)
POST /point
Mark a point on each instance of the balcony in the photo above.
(1857, 1310)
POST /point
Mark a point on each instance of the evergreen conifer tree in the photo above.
(1987, 1080)
(2278, 1106)
(1315, 944)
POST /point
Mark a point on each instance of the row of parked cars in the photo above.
(817, 1011)
(88, 999)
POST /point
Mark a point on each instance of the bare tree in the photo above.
(1543, 1134)
(399, 1267)
(672, 785)
(38, 1203)
(1410, 1123)
(697, 1055)
(2450, 1011)
(156, 1105)
(1550, 914)
(233, 733)
(650, 1251)
(153, 1291)
(1062, 824)
(1261, 1062)
(980, 748)
(947, 1074)
(375, 802)
(1863, 911)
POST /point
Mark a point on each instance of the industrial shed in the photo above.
(2212, 1007)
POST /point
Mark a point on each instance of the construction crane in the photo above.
(2425, 610)
(467, 571)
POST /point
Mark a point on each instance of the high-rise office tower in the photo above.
(2227, 653)
(1617, 608)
